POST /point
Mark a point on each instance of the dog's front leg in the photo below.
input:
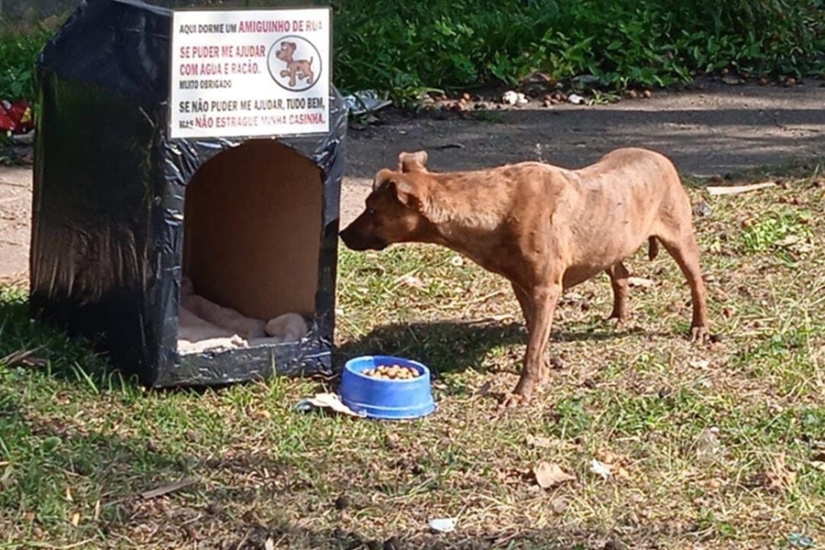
(524, 302)
(544, 300)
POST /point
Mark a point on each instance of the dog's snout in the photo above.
(359, 238)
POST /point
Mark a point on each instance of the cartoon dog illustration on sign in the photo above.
(296, 69)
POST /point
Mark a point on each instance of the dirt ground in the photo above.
(717, 130)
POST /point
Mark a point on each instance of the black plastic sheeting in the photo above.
(107, 227)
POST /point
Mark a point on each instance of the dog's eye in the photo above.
(371, 211)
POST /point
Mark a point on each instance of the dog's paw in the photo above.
(615, 321)
(521, 395)
(512, 400)
(699, 334)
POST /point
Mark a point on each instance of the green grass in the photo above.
(409, 48)
(18, 51)
(77, 445)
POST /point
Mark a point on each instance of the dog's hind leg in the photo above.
(618, 281)
(682, 246)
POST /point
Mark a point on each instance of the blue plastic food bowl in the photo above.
(386, 399)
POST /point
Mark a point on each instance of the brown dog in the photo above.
(300, 68)
(544, 228)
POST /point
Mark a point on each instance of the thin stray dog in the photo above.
(543, 227)
(301, 68)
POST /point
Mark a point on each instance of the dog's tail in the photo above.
(653, 250)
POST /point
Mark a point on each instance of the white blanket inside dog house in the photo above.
(205, 325)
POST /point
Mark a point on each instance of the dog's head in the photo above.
(287, 51)
(393, 212)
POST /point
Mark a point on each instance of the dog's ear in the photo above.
(412, 162)
(382, 176)
(404, 192)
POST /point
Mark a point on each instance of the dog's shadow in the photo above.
(451, 346)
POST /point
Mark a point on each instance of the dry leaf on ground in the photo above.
(600, 468)
(550, 475)
(539, 442)
(779, 475)
(411, 281)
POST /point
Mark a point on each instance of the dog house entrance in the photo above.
(252, 233)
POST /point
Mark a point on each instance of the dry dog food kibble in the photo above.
(392, 372)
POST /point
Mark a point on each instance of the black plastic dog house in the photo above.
(122, 211)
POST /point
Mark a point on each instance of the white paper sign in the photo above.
(250, 73)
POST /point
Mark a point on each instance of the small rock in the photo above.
(575, 99)
(513, 98)
(558, 505)
(250, 517)
(647, 93)
(214, 509)
(443, 525)
(391, 441)
(590, 383)
(631, 94)
(556, 362)
(341, 502)
(614, 544)
(762, 81)
(702, 209)
(392, 543)
(715, 338)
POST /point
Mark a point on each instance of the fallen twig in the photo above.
(737, 189)
(23, 357)
(639, 281)
(166, 489)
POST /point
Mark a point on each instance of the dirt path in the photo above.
(718, 130)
